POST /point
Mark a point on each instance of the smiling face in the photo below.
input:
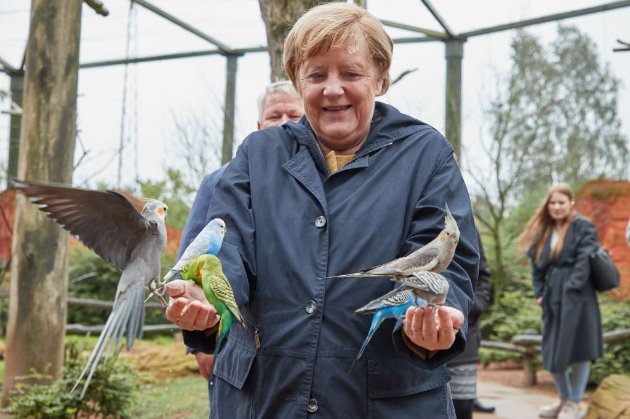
(559, 206)
(339, 87)
(280, 107)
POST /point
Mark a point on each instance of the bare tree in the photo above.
(279, 16)
(39, 269)
(553, 119)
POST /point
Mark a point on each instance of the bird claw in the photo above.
(155, 291)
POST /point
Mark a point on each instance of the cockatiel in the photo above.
(109, 224)
(435, 256)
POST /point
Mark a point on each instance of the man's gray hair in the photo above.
(282, 86)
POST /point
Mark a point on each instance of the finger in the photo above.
(175, 308)
(429, 328)
(446, 330)
(176, 288)
(191, 314)
(457, 317)
(206, 318)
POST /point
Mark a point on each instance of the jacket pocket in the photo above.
(234, 363)
(402, 375)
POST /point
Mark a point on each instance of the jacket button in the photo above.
(320, 221)
(312, 406)
(310, 307)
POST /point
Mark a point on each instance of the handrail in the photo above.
(528, 346)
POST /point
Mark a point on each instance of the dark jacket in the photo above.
(572, 328)
(290, 223)
(481, 301)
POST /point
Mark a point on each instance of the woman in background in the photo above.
(559, 241)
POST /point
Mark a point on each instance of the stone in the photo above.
(611, 399)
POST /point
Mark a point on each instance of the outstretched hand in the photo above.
(430, 330)
(188, 307)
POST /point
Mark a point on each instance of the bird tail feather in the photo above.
(376, 322)
(123, 320)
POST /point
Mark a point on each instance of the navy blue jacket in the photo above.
(290, 223)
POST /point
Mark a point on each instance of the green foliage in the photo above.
(553, 117)
(616, 360)
(174, 193)
(92, 277)
(515, 313)
(110, 394)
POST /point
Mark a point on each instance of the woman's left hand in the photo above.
(431, 331)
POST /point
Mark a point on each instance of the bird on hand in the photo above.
(421, 289)
(392, 305)
(435, 256)
(209, 241)
(206, 271)
(125, 234)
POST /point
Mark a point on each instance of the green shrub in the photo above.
(110, 394)
(92, 277)
(616, 359)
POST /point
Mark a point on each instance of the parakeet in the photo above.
(434, 256)
(392, 305)
(110, 224)
(206, 271)
(431, 287)
(209, 240)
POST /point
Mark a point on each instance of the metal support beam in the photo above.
(548, 18)
(6, 67)
(428, 32)
(437, 17)
(224, 48)
(228, 112)
(453, 99)
(17, 87)
(175, 56)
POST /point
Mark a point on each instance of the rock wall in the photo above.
(607, 204)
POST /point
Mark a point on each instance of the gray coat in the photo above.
(572, 328)
(290, 223)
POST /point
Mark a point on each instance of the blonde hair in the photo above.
(332, 25)
(540, 225)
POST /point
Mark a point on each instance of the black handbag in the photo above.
(604, 274)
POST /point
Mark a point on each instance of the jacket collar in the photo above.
(388, 125)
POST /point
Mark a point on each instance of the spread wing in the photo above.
(106, 222)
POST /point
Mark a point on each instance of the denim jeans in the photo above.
(571, 385)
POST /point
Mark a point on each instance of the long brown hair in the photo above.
(540, 225)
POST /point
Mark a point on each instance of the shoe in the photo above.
(552, 410)
(570, 410)
(483, 408)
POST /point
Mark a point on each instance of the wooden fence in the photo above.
(528, 346)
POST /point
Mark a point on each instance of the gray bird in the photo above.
(435, 256)
(431, 287)
(396, 297)
(130, 239)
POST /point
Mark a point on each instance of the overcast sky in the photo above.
(159, 91)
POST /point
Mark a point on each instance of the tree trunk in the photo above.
(39, 269)
(279, 16)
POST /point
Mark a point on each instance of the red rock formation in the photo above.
(607, 204)
(7, 217)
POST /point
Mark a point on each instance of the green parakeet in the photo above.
(206, 271)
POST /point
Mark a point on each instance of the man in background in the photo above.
(278, 104)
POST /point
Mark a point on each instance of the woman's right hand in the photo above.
(188, 307)
(539, 301)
